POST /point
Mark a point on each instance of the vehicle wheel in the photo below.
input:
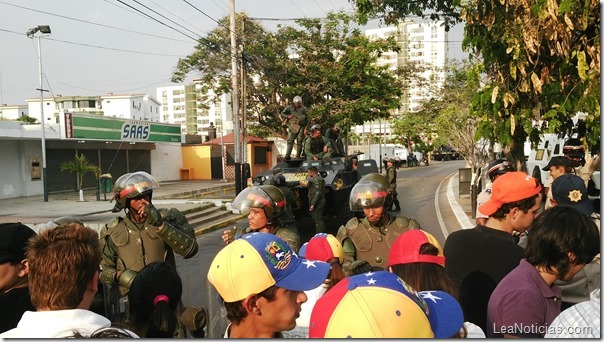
(447, 158)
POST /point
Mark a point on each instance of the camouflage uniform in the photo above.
(295, 128)
(287, 218)
(391, 175)
(128, 246)
(314, 148)
(363, 241)
(316, 197)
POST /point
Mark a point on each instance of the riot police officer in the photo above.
(584, 164)
(368, 240)
(317, 146)
(266, 206)
(144, 235)
(287, 218)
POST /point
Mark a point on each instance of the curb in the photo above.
(461, 216)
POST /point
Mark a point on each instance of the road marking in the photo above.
(462, 218)
(441, 222)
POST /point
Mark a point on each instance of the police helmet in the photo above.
(573, 148)
(297, 98)
(498, 167)
(315, 127)
(131, 185)
(279, 179)
(371, 191)
(267, 197)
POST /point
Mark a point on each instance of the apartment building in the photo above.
(422, 43)
(196, 110)
(123, 106)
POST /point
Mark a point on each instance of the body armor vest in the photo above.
(373, 245)
(316, 145)
(136, 247)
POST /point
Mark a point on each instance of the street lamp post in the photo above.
(44, 31)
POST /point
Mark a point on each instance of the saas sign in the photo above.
(97, 127)
(135, 130)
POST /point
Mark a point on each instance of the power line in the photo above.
(159, 21)
(321, 7)
(202, 12)
(296, 6)
(96, 46)
(156, 4)
(107, 91)
(163, 16)
(92, 23)
(113, 49)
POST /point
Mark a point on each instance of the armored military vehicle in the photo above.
(340, 176)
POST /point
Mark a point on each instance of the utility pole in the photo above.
(243, 108)
(235, 99)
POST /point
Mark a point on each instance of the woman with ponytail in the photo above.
(154, 297)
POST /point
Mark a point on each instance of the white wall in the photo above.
(166, 161)
(15, 174)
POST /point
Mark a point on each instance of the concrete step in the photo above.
(208, 217)
(219, 191)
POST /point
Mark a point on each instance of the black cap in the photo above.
(569, 190)
(13, 241)
(557, 161)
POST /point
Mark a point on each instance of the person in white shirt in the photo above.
(63, 279)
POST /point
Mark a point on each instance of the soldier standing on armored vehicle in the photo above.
(317, 146)
(296, 118)
(368, 240)
(144, 235)
(267, 208)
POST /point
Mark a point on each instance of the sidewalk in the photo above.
(33, 211)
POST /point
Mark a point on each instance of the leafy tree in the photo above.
(81, 166)
(542, 59)
(330, 63)
(27, 119)
(393, 11)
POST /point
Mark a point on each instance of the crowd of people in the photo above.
(520, 272)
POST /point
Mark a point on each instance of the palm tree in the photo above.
(81, 166)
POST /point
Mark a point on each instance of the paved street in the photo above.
(418, 188)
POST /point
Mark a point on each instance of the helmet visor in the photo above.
(133, 184)
(251, 198)
(367, 195)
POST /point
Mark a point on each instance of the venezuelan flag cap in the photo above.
(257, 261)
(381, 305)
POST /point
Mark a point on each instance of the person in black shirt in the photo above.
(14, 292)
(477, 259)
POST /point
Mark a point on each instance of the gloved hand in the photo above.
(360, 267)
(153, 215)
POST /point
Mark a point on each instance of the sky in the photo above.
(105, 46)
